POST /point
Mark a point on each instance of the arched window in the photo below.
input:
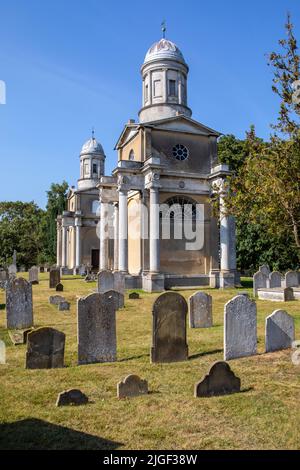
(96, 207)
(179, 207)
(131, 155)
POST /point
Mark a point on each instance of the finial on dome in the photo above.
(93, 133)
(163, 28)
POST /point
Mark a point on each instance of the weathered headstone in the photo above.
(275, 279)
(45, 349)
(64, 305)
(265, 269)
(34, 274)
(288, 294)
(132, 386)
(291, 279)
(59, 287)
(119, 286)
(12, 270)
(19, 312)
(56, 299)
(73, 397)
(240, 328)
(96, 316)
(280, 331)
(134, 295)
(200, 310)
(105, 281)
(54, 277)
(2, 352)
(220, 380)
(259, 281)
(169, 328)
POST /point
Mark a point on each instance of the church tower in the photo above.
(92, 159)
(164, 73)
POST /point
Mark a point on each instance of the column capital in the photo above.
(152, 180)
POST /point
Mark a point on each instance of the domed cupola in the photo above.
(92, 158)
(164, 73)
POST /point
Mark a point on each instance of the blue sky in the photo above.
(73, 64)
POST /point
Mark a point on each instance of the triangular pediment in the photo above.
(183, 124)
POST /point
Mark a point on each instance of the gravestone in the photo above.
(105, 281)
(56, 299)
(220, 380)
(119, 286)
(96, 317)
(12, 270)
(19, 313)
(265, 269)
(19, 336)
(288, 294)
(64, 305)
(45, 349)
(132, 386)
(34, 274)
(259, 281)
(275, 279)
(280, 331)
(134, 295)
(169, 328)
(291, 279)
(240, 328)
(54, 278)
(200, 310)
(2, 352)
(73, 397)
(59, 287)
(42, 269)
(3, 275)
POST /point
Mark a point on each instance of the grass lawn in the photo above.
(265, 415)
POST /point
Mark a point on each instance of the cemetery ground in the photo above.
(265, 415)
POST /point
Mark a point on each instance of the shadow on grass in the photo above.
(206, 353)
(36, 434)
(125, 359)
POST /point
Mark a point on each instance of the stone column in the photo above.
(103, 236)
(64, 255)
(116, 237)
(224, 236)
(58, 246)
(154, 231)
(123, 231)
(78, 241)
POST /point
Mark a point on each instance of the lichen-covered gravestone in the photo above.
(169, 328)
(240, 328)
(45, 349)
(291, 279)
(132, 386)
(200, 310)
(220, 380)
(105, 281)
(34, 274)
(275, 279)
(280, 331)
(96, 317)
(259, 281)
(54, 277)
(19, 312)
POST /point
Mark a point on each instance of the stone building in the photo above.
(168, 159)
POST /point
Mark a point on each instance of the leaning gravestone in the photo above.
(291, 279)
(259, 281)
(275, 279)
(265, 269)
(45, 349)
(200, 310)
(240, 328)
(105, 281)
(220, 380)
(73, 397)
(54, 278)
(280, 331)
(19, 313)
(34, 274)
(96, 317)
(2, 352)
(169, 328)
(132, 386)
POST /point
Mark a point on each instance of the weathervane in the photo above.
(163, 28)
(93, 133)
